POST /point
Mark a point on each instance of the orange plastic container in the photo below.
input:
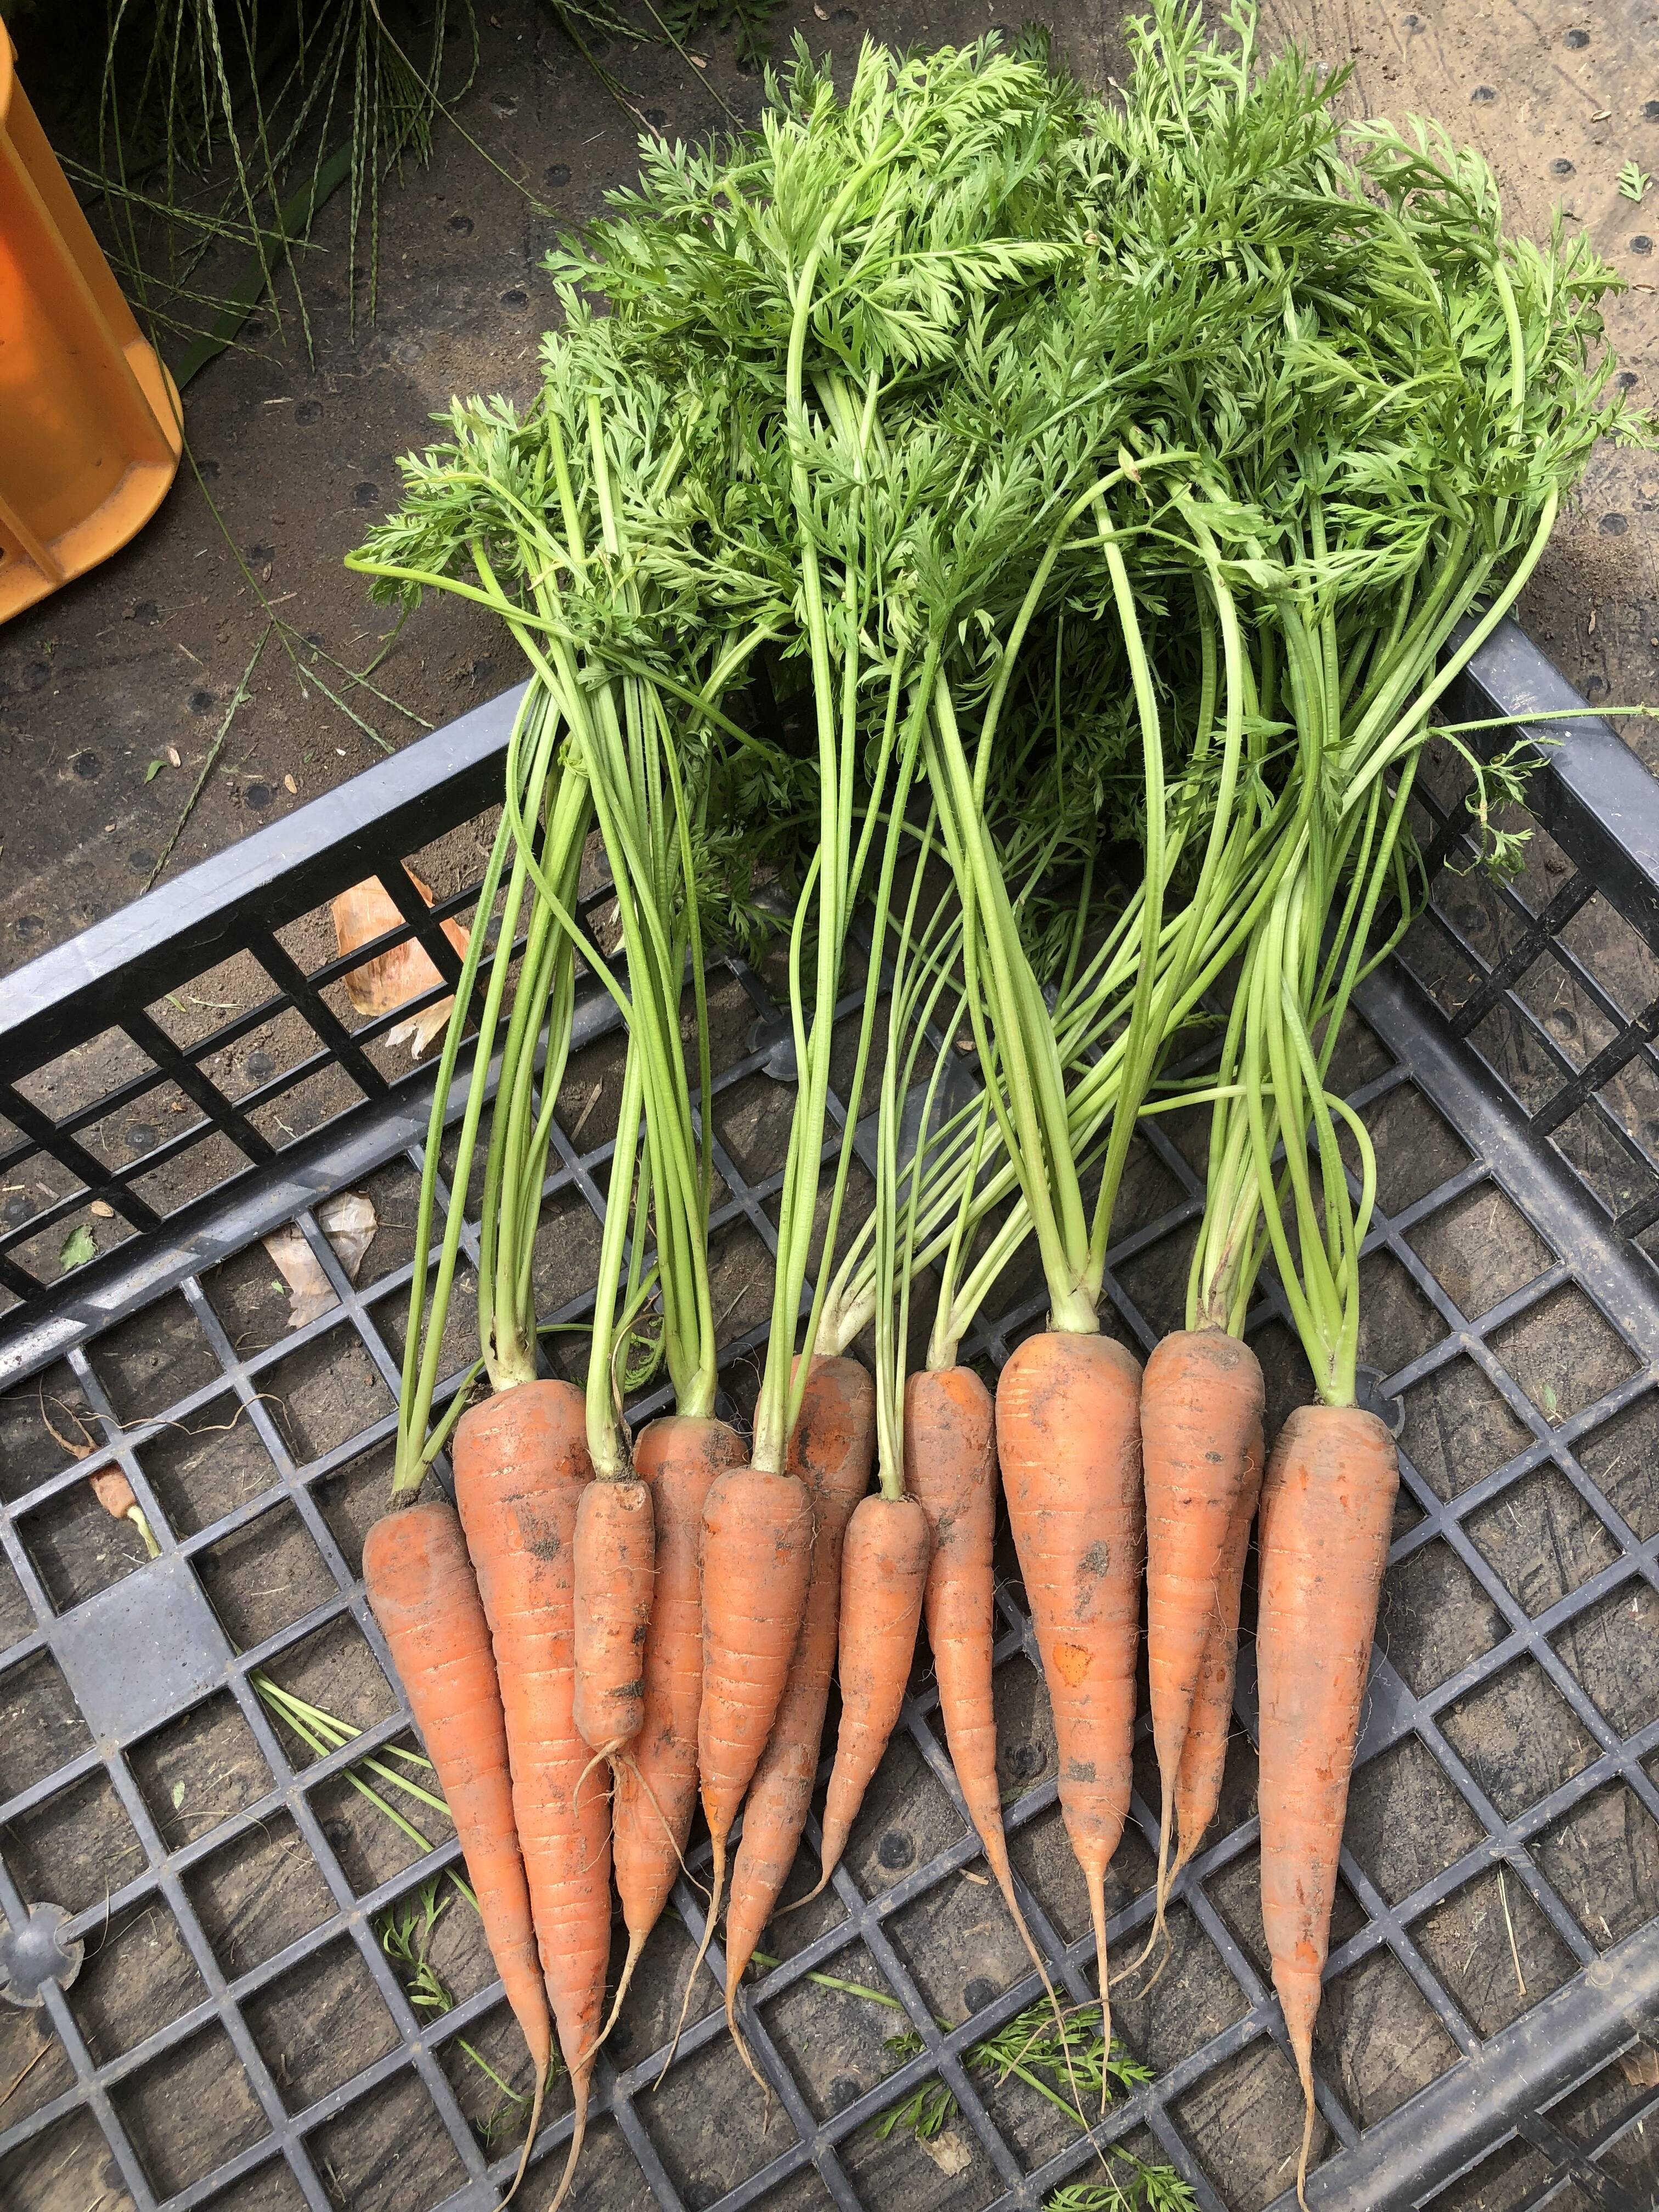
(89, 421)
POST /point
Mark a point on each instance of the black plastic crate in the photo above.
(237, 2034)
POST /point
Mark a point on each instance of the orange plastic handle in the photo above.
(90, 424)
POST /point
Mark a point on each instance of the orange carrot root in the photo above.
(420, 1583)
(679, 1457)
(1327, 1511)
(1068, 1435)
(521, 1467)
(1204, 1756)
(757, 1556)
(830, 1450)
(950, 1469)
(615, 1575)
(1200, 1408)
(884, 1573)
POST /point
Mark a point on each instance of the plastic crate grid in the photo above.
(1513, 1315)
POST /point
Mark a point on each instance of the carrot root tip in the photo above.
(1301, 2047)
(1004, 1879)
(1302, 2162)
(742, 2042)
(1096, 1878)
(816, 1890)
(1160, 1931)
(635, 1944)
(795, 1903)
(579, 2083)
(528, 2137)
(716, 1892)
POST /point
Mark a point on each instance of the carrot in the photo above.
(883, 1575)
(656, 1786)
(615, 1572)
(1201, 1411)
(1327, 1510)
(1204, 1755)
(831, 1448)
(1068, 1435)
(420, 1586)
(757, 1556)
(950, 1468)
(521, 1465)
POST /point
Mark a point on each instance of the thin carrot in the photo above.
(950, 1469)
(1068, 1435)
(1327, 1509)
(656, 1785)
(420, 1586)
(1204, 1755)
(1201, 1399)
(756, 1558)
(521, 1465)
(616, 1536)
(883, 1575)
(615, 1575)
(831, 1448)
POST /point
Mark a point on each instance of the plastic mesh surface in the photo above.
(239, 2032)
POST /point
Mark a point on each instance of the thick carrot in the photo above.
(883, 1574)
(1201, 1409)
(615, 1577)
(1204, 1755)
(521, 1465)
(656, 1785)
(420, 1583)
(1327, 1509)
(1068, 1435)
(757, 1556)
(950, 1469)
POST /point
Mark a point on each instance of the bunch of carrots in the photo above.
(1110, 494)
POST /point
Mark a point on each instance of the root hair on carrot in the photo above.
(1097, 1882)
(608, 1755)
(636, 1944)
(1304, 2067)
(567, 2180)
(716, 1892)
(528, 2138)
(742, 2042)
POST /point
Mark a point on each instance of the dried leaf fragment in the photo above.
(392, 979)
(349, 1221)
(949, 2153)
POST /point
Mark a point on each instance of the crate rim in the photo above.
(1590, 793)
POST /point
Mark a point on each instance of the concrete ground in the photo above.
(290, 459)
